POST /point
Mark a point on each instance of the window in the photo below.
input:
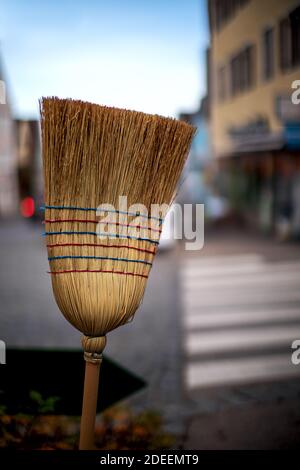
(295, 36)
(289, 40)
(224, 10)
(268, 54)
(242, 70)
(222, 85)
(235, 75)
(285, 44)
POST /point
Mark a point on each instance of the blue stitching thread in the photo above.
(102, 233)
(51, 258)
(72, 208)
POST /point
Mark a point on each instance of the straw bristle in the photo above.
(92, 155)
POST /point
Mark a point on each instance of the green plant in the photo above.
(43, 405)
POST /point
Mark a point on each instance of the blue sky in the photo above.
(139, 54)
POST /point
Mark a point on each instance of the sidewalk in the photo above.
(271, 426)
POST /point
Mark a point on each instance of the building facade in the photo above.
(193, 188)
(9, 199)
(29, 161)
(255, 122)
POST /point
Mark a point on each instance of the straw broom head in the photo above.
(92, 155)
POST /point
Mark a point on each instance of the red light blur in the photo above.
(27, 207)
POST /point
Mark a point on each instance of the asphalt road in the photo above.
(212, 338)
(241, 314)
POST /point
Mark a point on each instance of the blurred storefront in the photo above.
(255, 124)
(193, 188)
(29, 166)
(196, 184)
(9, 198)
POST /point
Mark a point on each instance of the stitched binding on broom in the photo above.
(95, 209)
(125, 260)
(97, 271)
(53, 221)
(113, 235)
(95, 245)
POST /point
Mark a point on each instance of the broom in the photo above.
(100, 259)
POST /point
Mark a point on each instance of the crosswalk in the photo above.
(241, 314)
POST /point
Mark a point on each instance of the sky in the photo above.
(146, 55)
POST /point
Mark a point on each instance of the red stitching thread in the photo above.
(52, 221)
(96, 271)
(143, 250)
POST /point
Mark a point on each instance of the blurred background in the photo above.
(213, 337)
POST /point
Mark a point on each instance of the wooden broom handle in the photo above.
(89, 405)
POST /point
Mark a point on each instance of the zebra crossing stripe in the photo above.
(245, 304)
(240, 370)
